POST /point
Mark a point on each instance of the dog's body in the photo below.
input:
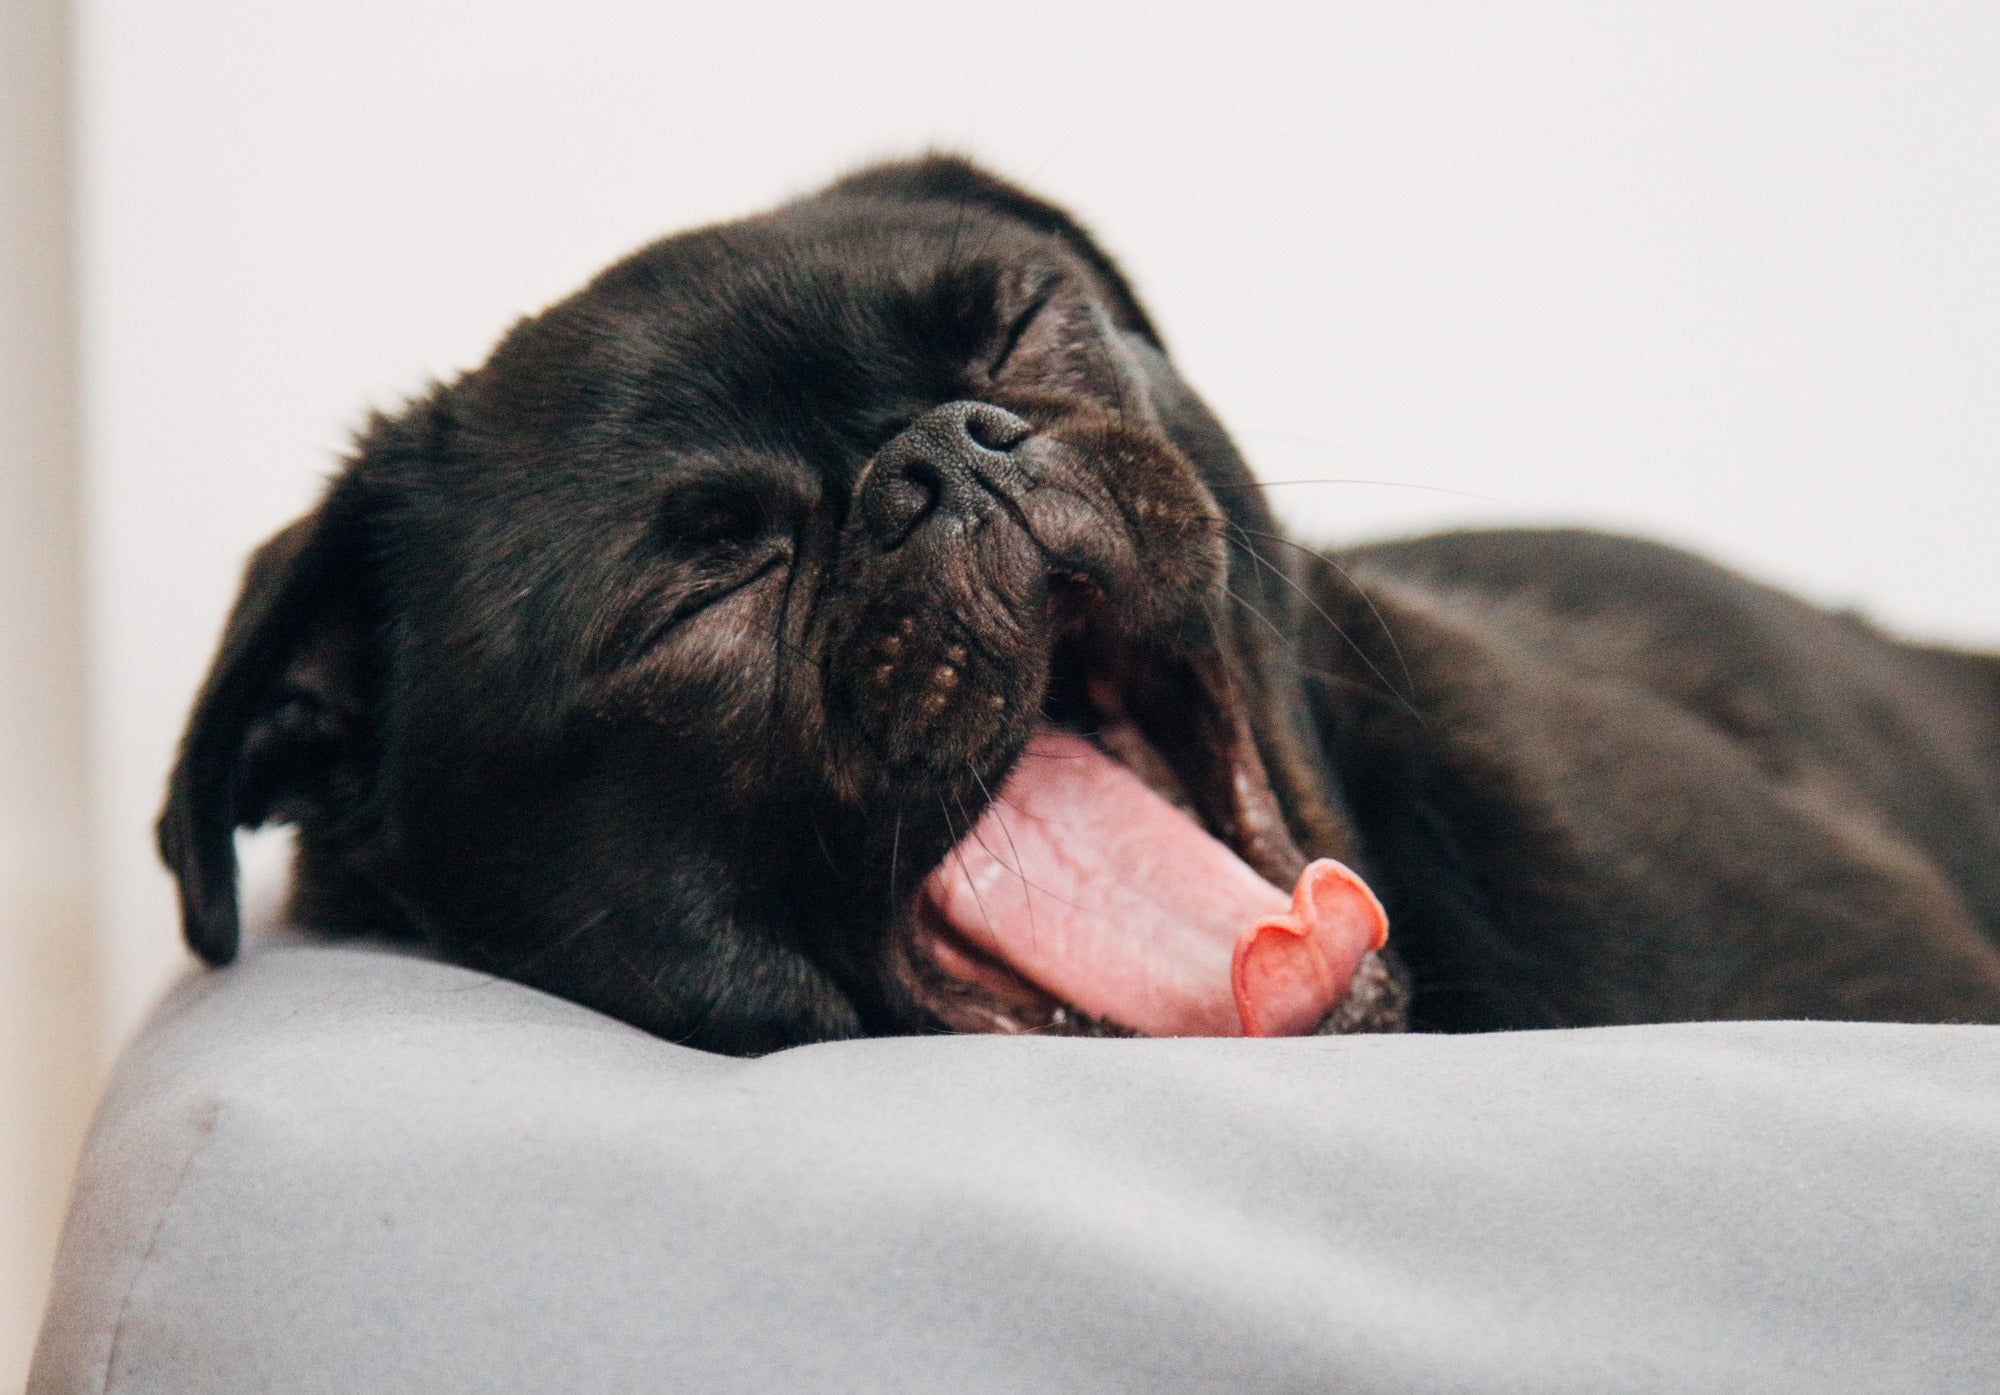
(673, 661)
(1629, 786)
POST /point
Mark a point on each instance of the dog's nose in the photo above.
(944, 471)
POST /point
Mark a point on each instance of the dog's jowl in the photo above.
(845, 621)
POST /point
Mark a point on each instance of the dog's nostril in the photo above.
(919, 474)
(914, 487)
(946, 465)
(902, 498)
(995, 428)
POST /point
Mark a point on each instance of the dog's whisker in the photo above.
(1314, 554)
(895, 853)
(1259, 485)
(651, 983)
(1335, 625)
(819, 836)
(963, 871)
(562, 942)
(1020, 867)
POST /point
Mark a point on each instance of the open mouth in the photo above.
(1134, 876)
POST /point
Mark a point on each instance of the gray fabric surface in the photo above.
(340, 1169)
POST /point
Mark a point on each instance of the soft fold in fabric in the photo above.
(347, 1169)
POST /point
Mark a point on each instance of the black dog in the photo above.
(845, 622)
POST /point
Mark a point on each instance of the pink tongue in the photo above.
(1092, 886)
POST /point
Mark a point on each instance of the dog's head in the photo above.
(841, 621)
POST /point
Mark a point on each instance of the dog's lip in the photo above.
(965, 989)
(1178, 721)
(1175, 719)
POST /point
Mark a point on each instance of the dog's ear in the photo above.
(281, 711)
(953, 179)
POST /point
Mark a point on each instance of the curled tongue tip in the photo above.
(1290, 971)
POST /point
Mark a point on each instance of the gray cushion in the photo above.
(344, 1169)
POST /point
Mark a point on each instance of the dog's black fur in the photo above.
(648, 664)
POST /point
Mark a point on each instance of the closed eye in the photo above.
(712, 517)
(1022, 323)
(711, 539)
(684, 592)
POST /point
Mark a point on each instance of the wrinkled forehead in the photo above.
(814, 329)
(775, 354)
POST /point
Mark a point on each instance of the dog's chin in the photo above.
(1095, 895)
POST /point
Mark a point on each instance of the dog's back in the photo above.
(1980, 674)
(1678, 754)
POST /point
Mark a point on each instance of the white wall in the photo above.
(49, 1035)
(1722, 272)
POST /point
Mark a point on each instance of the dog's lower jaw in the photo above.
(1378, 1001)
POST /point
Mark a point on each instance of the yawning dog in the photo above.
(845, 621)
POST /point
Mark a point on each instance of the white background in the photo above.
(1720, 273)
